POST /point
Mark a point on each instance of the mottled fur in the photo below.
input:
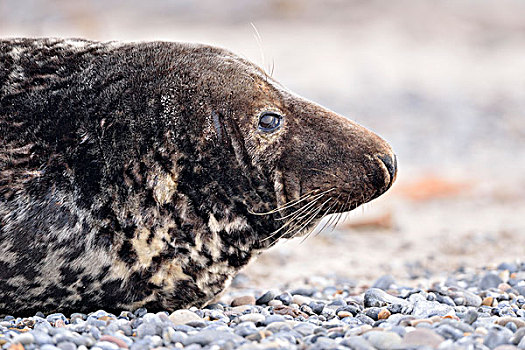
(131, 175)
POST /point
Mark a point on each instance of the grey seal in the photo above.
(148, 174)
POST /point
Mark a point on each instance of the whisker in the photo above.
(286, 224)
(313, 228)
(297, 217)
(285, 205)
(301, 209)
(292, 202)
(328, 221)
(300, 220)
(311, 216)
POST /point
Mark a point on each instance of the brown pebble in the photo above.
(504, 287)
(414, 323)
(286, 310)
(244, 300)
(343, 314)
(121, 343)
(16, 346)
(504, 320)
(275, 303)
(60, 323)
(487, 301)
(259, 335)
(105, 318)
(383, 314)
(336, 329)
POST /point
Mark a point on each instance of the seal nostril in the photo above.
(391, 165)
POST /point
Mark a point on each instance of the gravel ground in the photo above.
(482, 309)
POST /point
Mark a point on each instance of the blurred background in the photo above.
(442, 81)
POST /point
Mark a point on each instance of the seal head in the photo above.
(147, 174)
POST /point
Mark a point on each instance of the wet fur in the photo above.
(131, 175)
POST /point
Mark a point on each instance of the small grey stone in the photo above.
(520, 290)
(471, 299)
(511, 326)
(273, 318)
(285, 297)
(357, 343)
(497, 336)
(265, 298)
(42, 337)
(518, 336)
(384, 282)
(146, 329)
(180, 317)
(197, 324)
(325, 343)
(375, 297)
(23, 338)
(308, 292)
(489, 280)
(304, 328)
(55, 317)
(512, 267)
(383, 340)
(422, 337)
(365, 319)
(470, 316)
(245, 329)
(207, 337)
(317, 307)
(521, 344)
(275, 327)
(449, 332)
(255, 318)
(178, 337)
(372, 312)
(425, 309)
(445, 299)
(67, 345)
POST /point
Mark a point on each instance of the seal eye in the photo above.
(269, 121)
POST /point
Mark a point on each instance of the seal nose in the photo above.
(391, 165)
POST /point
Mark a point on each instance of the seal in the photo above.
(148, 174)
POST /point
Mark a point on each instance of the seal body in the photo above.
(147, 174)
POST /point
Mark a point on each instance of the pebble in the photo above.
(244, 300)
(255, 318)
(183, 316)
(265, 298)
(489, 280)
(383, 340)
(423, 337)
(384, 282)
